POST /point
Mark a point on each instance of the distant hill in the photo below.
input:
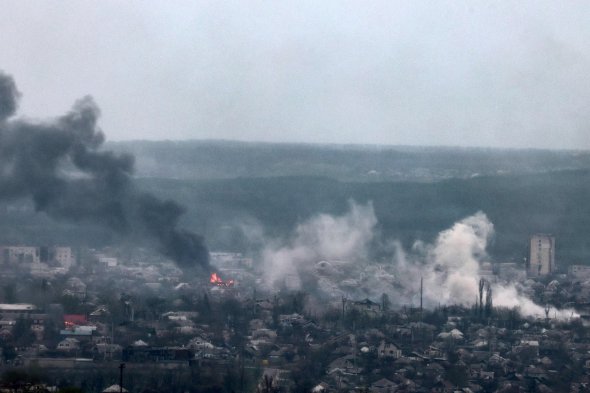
(227, 160)
(235, 192)
(518, 206)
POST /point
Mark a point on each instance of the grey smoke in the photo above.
(8, 97)
(60, 165)
(323, 237)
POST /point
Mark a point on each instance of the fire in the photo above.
(216, 280)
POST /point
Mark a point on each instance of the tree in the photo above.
(481, 287)
(21, 380)
(457, 375)
(267, 385)
(489, 305)
(71, 304)
(22, 335)
(385, 302)
(9, 293)
(8, 352)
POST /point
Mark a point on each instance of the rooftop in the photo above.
(17, 307)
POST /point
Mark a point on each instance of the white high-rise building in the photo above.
(542, 255)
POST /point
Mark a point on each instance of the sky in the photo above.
(510, 74)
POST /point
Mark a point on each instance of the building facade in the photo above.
(63, 256)
(13, 311)
(542, 255)
(579, 272)
(20, 254)
(17, 255)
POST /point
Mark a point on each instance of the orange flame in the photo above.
(215, 279)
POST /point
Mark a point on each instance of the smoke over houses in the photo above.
(60, 166)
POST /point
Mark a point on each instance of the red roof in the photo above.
(75, 319)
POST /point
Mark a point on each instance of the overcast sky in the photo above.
(467, 73)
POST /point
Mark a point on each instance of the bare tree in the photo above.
(489, 303)
(482, 284)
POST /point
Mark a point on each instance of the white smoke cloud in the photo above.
(451, 266)
(451, 274)
(334, 251)
(508, 296)
(323, 237)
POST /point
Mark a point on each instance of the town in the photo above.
(129, 320)
(294, 196)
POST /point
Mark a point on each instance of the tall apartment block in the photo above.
(542, 255)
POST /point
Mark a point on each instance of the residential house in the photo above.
(68, 344)
(388, 351)
(383, 385)
(344, 365)
(365, 306)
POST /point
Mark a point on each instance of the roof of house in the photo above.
(75, 319)
(114, 388)
(17, 307)
(383, 383)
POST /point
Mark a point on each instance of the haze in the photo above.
(463, 73)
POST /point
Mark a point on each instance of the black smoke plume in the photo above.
(60, 166)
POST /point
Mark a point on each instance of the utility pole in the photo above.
(121, 368)
(421, 313)
(421, 281)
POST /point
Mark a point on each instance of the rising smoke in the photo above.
(450, 268)
(334, 250)
(60, 166)
(324, 237)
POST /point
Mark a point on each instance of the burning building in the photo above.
(215, 279)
